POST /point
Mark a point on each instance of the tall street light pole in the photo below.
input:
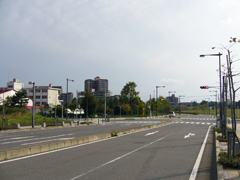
(3, 111)
(208, 104)
(220, 103)
(67, 98)
(33, 109)
(179, 103)
(157, 98)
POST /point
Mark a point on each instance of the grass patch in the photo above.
(25, 118)
(114, 133)
(87, 122)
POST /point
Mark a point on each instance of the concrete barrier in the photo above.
(35, 149)
(43, 124)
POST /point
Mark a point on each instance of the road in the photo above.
(9, 140)
(168, 152)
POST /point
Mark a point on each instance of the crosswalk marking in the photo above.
(175, 122)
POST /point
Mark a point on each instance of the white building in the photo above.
(45, 95)
(4, 93)
(15, 85)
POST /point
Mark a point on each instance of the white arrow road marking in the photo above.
(189, 135)
(151, 133)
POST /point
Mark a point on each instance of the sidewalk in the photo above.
(226, 174)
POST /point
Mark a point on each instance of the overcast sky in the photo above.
(150, 42)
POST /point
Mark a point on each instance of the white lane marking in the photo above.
(199, 158)
(120, 157)
(189, 135)
(15, 138)
(148, 134)
(37, 138)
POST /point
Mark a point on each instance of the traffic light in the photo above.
(204, 87)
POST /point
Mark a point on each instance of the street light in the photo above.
(179, 103)
(67, 98)
(157, 97)
(33, 109)
(208, 104)
(171, 92)
(219, 55)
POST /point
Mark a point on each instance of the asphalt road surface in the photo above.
(181, 150)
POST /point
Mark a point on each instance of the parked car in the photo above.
(172, 114)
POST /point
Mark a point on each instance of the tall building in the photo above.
(97, 87)
(172, 99)
(67, 97)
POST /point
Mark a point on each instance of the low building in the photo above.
(4, 93)
(45, 95)
(15, 85)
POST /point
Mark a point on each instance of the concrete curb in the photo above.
(35, 149)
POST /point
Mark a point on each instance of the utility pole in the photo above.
(3, 112)
(157, 98)
(150, 107)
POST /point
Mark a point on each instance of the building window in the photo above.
(44, 97)
(37, 104)
(38, 97)
(44, 90)
(38, 90)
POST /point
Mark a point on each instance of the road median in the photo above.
(41, 148)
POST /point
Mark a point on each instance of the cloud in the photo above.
(171, 82)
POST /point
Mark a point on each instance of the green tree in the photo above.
(19, 99)
(89, 104)
(126, 108)
(129, 95)
(100, 108)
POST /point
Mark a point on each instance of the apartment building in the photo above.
(45, 95)
(97, 87)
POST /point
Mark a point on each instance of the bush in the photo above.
(221, 139)
(218, 130)
(229, 162)
(16, 110)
